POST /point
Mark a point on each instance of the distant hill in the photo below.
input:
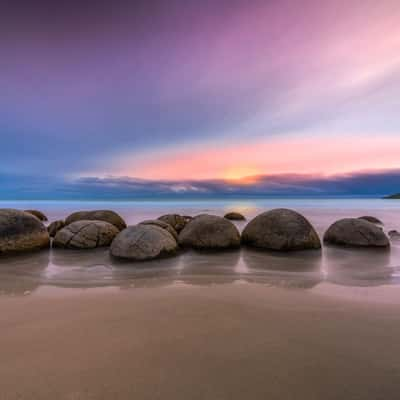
(393, 196)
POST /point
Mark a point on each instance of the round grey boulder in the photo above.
(97, 215)
(161, 224)
(281, 229)
(21, 231)
(354, 232)
(394, 235)
(85, 235)
(143, 242)
(234, 216)
(209, 232)
(54, 227)
(38, 214)
(371, 219)
(177, 221)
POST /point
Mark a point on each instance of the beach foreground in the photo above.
(228, 341)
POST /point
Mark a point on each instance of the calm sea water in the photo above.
(302, 270)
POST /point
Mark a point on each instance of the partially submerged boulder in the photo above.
(21, 231)
(394, 235)
(55, 226)
(177, 221)
(371, 219)
(143, 242)
(38, 214)
(161, 224)
(209, 232)
(85, 235)
(281, 229)
(97, 215)
(234, 216)
(355, 232)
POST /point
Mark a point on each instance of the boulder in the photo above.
(143, 242)
(281, 229)
(355, 232)
(38, 214)
(21, 231)
(371, 219)
(55, 226)
(97, 215)
(85, 234)
(177, 221)
(209, 232)
(161, 224)
(234, 216)
(394, 235)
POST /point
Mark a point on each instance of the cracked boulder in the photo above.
(143, 242)
(97, 215)
(209, 232)
(54, 227)
(177, 221)
(355, 232)
(161, 224)
(21, 231)
(281, 229)
(85, 235)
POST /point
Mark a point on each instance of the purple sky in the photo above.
(180, 91)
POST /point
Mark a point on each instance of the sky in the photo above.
(127, 98)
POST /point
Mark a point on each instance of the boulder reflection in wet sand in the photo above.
(298, 269)
(357, 267)
(150, 273)
(22, 274)
(210, 267)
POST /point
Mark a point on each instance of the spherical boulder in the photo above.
(394, 235)
(177, 221)
(371, 219)
(97, 215)
(209, 232)
(55, 226)
(234, 216)
(161, 224)
(21, 231)
(38, 214)
(281, 229)
(143, 242)
(354, 232)
(85, 235)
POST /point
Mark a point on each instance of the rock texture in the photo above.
(37, 214)
(55, 226)
(21, 231)
(281, 229)
(85, 235)
(209, 232)
(163, 225)
(371, 219)
(394, 235)
(177, 221)
(234, 216)
(143, 242)
(97, 215)
(356, 232)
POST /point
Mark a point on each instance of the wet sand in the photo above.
(228, 341)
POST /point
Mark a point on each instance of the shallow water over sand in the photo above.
(302, 270)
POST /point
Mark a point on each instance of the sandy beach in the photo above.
(229, 341)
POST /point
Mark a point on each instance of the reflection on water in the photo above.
(302, 270)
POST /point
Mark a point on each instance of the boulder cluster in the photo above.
(275, 230)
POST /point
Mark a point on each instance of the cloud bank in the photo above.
(373, 183)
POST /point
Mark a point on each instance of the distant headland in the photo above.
(393, 196)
